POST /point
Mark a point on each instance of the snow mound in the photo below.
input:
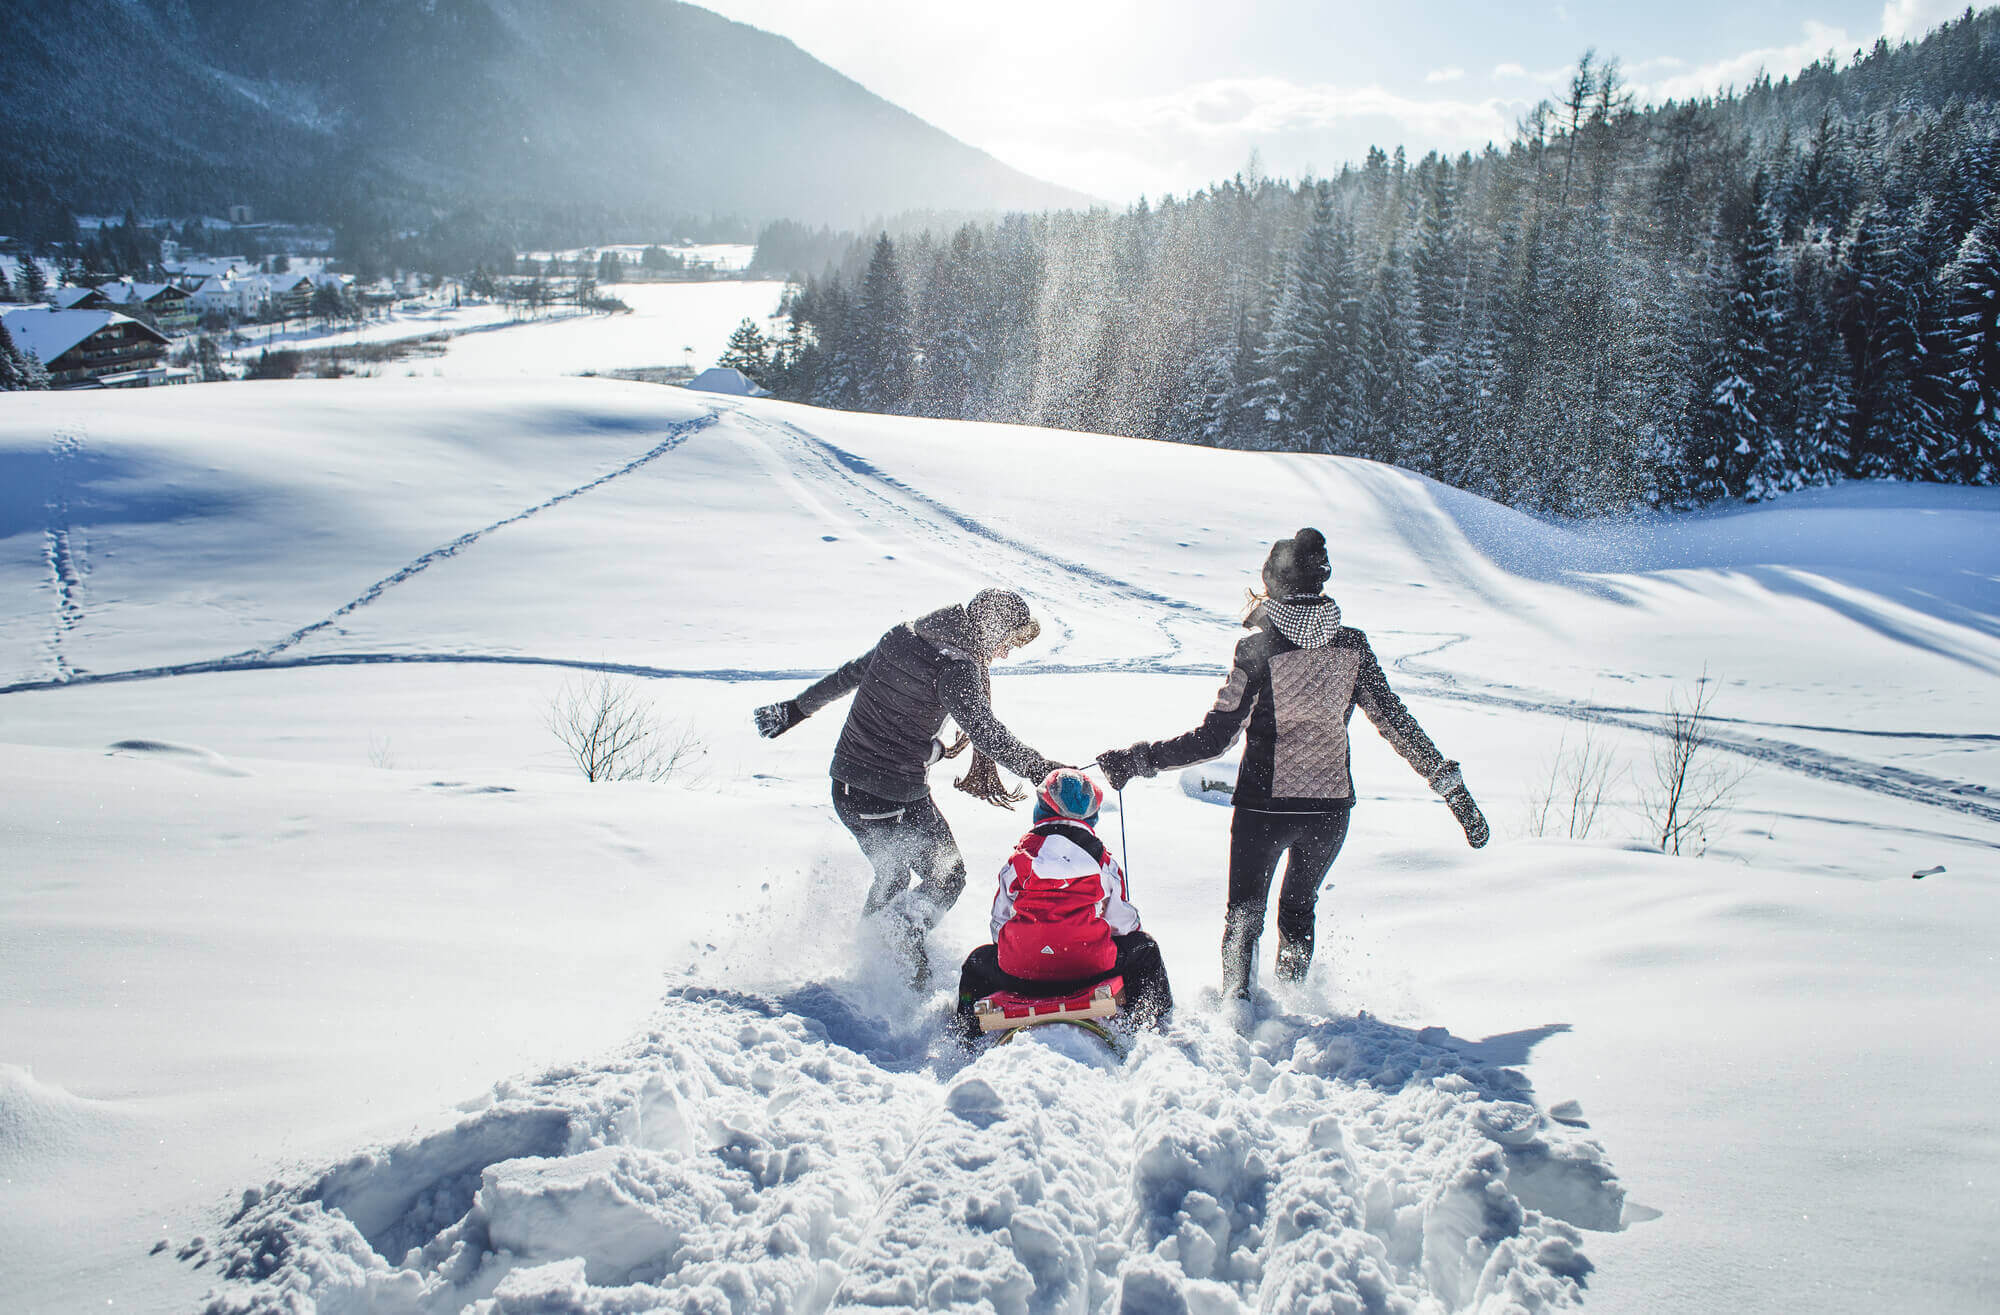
(736, 1158)
(1211, 783)
(41, 1123)
(189, 756)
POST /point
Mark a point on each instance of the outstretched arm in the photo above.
(959, 688)
(1400, 729)
(774, 719)
(1218, 730)
(1395, 722)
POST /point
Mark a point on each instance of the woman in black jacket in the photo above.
(1297, 678)
(904, 687)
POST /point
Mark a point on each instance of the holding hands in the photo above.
(1121, 765)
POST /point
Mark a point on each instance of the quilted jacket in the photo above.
(1296, 681)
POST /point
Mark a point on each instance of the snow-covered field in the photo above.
(325, 984)
(670, 324)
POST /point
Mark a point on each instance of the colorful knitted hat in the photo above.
(1068, 794)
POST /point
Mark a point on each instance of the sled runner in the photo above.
(1006, 1011)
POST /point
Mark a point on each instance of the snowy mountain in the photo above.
(608, 107)
(326, 984)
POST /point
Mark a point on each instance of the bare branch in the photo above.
(612, 734)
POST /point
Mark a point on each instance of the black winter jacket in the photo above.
(1292, 704)
(904, 688)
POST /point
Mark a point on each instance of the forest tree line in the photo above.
(1722, 298)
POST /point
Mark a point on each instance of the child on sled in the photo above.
(1062, 920)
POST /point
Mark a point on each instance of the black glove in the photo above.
(774, 719)
(1121, 765)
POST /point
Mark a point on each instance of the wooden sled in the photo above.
(1004, 1011)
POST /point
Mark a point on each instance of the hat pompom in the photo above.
(1298, 566)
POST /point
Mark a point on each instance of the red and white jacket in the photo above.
(1062, 898)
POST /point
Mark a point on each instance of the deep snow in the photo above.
(295, 875)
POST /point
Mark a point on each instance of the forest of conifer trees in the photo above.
(1622, 307)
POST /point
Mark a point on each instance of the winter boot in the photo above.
(1241, 927)
(1294, 960)
(907, 922)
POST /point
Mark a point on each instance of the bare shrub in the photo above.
(380, 754)
(612, 733)
(1693, 785)
(1570, 799)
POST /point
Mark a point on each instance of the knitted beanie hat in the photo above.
(1298, 566)
(1068, 794)
(1001, 615)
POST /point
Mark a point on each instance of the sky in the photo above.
(1119, 98)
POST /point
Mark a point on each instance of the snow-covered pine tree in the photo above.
(883, 356)
(19, 370)
(1880, 322)
(1971, 293)
(1740, 430)
(1817, 377)
(748, 350)
(949, 345)
(1305, 358)
(29, 280)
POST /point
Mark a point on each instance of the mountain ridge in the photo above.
(631, 106)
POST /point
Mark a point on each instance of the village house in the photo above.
(78, 298)
(291, 294)
(92, 348)
(240, 297)
(168, 303)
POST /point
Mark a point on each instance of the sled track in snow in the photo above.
(1958, 796)
(869, 489)
(1879, 778)
(739, 1157)
(676, 434)
(1061, 581)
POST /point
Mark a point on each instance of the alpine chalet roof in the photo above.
(49, 333)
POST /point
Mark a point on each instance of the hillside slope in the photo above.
(324, 983)
(627, 106)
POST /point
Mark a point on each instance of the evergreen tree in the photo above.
(19, 370)
(29, 281)
(748, 351)
(1880, 324)
(883, 356)
(1970, 416)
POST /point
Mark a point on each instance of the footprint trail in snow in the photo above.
(738, 1158)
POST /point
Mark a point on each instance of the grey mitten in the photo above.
(1449, 782)
(1121, 765)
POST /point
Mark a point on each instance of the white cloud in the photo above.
(1910, 20)
(1444, 75)
(1516, 72)
(1902, 20)
(1736, 71)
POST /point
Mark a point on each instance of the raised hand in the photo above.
(774, 719)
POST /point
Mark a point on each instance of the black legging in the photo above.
(902, 839)
(1256, 841)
